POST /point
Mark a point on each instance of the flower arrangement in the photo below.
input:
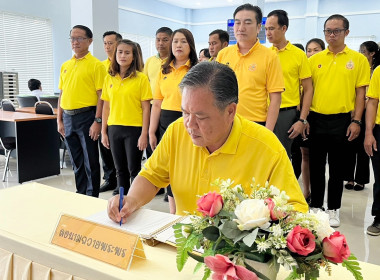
(237, 231)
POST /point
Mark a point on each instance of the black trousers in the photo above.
(166, 118)
(108, 164)
(83, 152)
(126, 155)
(357, 157)
(376, 174)
(327, 139)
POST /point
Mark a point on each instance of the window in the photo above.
(26, 47)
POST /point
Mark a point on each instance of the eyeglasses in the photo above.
(79, 39)
(335, 31)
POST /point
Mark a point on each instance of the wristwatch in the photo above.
(302, 121)
(98, 120)
(357, 122)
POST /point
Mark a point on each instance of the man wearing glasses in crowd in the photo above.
(80, 110)
(340, 76)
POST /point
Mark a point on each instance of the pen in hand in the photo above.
(121, 198)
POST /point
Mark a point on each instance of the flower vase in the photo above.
(269, 269)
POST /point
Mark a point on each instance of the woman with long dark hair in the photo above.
(167, 97)
(126, 94)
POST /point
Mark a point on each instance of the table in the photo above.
(32, 110)
(29, 214)
(37, 143)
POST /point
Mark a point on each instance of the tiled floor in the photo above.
(355, 212)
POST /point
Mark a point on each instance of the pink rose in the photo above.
(335, 247)
(223, 268)
(210, 204)
(301, 241)
(274, 213)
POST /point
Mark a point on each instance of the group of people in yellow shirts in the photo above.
(269, 79)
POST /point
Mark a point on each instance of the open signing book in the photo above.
(146, 223)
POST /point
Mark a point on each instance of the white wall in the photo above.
(145, 17)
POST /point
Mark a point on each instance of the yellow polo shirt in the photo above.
(374, 90)
(79, 81)
(167, 87)
(125, 96)
(251, 150)
(258, 73)
(107, 64)
(152, 69)
(295, 67)
(335, 78)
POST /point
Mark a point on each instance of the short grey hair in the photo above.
(218, 78)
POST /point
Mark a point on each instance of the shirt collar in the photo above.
(287, 47)
(255, 46)
(86, 56)
(345, 50)
(187, 64)
(231, 144)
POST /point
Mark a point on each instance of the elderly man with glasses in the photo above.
(340, 76)
(80, 110)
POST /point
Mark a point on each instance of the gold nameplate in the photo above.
(100, 242)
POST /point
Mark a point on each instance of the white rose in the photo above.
(322, 228)
(251, 213)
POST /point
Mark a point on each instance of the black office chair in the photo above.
(26, 100)
(53, 100)
(8, 144)
(8, 105)
(45, 108)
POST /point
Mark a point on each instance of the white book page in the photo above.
(143, 222)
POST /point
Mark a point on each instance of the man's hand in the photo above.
(95, 131)
(296, 129)
(113, 208)
(105, 140)
(370, 144)
(153, 141)
(353, 131)
(61, 128)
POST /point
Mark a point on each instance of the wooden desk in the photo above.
(37, 143)
(29, 214)
(32, 110)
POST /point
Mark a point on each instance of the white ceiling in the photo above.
(203, 4)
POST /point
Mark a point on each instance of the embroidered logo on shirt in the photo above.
(252, 67)
(165, 77)
(111, 85)
(350, 65)
(65, 71)
(319, 65)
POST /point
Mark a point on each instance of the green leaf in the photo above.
(230, 229)
(250, 238)
(293, 275)
(211, 233)
(259, 257)
(353, 266)
(184, 246)
(259, 274)
(207, 273)
(197, 267)
(314, 257)
(241, 236)
(196, 257)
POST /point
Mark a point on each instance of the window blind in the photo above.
(26, 47)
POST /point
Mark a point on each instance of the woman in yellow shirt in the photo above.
(167, 97)
(126, 94)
